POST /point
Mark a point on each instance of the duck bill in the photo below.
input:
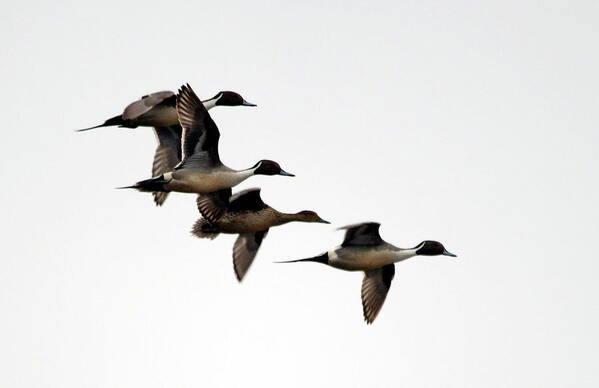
(245, 103)
(285, 173)
(321, 221)
(447, 253)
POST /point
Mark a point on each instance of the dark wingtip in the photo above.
(183, 88)
(239, 278)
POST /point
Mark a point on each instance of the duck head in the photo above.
(228, 98)
(310, 216)
(268, 167)
(432, 248)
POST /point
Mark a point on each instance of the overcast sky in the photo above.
(474, 125)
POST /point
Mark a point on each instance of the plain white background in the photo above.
(472, 124)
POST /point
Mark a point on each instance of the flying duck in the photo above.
(159, 110)
(244, 214)
(201, 170)
(363, 249)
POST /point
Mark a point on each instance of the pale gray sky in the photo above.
(472, 124)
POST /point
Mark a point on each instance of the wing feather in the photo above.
(199, 143)
(245, 250)
(364, 234)
(145, 104)
(167, 155)
(212, 206)
(247, 200)
(375, 287)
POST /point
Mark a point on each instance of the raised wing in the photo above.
(167, 155)
(245, 250)
(375, 287)
(146, 103)
(247, 200)
(212, 206)
(364, 234)
(199, 141)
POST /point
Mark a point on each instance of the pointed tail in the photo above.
(324, 259)
(152, 185)
(116, 120)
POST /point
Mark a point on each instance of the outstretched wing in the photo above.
(247, 200)
(167, 155)
(212, 206)
(364, 234)
(375, 287)
(199, 143)
(146, 103)
(245, 250)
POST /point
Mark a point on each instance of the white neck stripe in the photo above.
(212, 103)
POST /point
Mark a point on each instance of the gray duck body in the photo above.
(159, 110)
(201, 170)
(363, 249)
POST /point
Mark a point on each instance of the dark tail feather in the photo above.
(204, 229)
(116, 120)
(154, 184)
(324, 259)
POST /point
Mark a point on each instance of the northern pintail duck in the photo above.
(363, 249)
(244, 214)
(201, 170)
(158, 110)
